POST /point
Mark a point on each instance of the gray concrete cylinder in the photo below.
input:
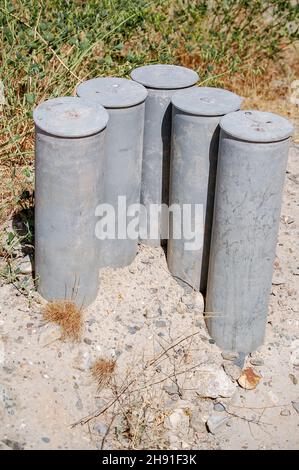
(69, 156)
(124, 101)
(251, 169)
(161, 81)
(193, 165)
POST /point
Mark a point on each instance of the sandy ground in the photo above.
(172, 386)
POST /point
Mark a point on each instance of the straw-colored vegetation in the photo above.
(68, 316)
(102, 371)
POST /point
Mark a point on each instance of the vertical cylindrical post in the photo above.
(193, 164)
(252, 161)
(161, 81)
(69, 155)
(124, 101)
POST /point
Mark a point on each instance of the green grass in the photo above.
(49, 46)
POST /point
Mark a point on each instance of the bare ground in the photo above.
(160, 394)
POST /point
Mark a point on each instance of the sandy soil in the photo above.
(172, 385)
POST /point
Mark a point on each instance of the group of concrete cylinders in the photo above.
(160, 139)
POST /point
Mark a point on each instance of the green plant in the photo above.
(17, 241)
(246, 33)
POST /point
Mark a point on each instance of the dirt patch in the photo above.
(171, 386)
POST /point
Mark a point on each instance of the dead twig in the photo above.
(98, 413)
(107, 432)
(153, 361)
(169, 377)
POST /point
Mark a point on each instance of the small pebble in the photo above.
(87, 341)
(100, 428)
(133, 329)
(232, 370)
(277, 281)
(229, 355)
(46, 440)
(296, 405)
(218, 407)
(215, 422)
(160, 323)
(14, 445)
(293, 379)
(256, 361)
(79, 404)
(25, 267)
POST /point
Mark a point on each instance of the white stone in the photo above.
(232, 370)
(182, 404)
(194, 300)
(197, 423)
(212, 382)
(174, 441)
(49, 334)
(178, 420)
(185, 445)
(25, 266)
(229, 355)
(84, 358)
(216, 421)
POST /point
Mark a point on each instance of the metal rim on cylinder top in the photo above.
(70, 116)
(206, 101)
(113, 92)
(164, 76)
(256, 126)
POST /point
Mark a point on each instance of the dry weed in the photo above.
(68, 316)
(102, 371)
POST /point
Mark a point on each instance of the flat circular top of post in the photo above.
(113, 92)
(206, 101)
(165, 77)
(256, 126)
(70, 116)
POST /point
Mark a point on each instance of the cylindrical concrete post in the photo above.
(161, 81)
(252, 162)
(124, 101)
(69, 156)
(193, 163)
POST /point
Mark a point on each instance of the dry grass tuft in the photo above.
(102, 371)
(68, 316)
